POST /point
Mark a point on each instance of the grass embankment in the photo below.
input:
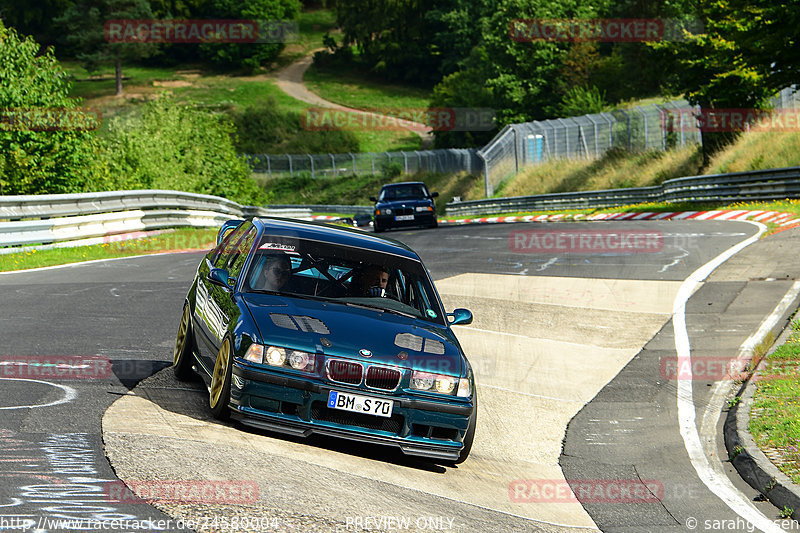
(775, 416)
(620, 169)
(199, 86)
(170, 241)
(350, 88)
(226, 94)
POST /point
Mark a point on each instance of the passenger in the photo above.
(374, 280)
(275, 272)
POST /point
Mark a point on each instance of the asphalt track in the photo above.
(553, 331)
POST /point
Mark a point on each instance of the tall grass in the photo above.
(620, 169)
(758, 150)
(616, 169)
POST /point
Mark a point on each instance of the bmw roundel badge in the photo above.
(365, 352)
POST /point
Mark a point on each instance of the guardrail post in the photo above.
(405, 161)
(333, 162)
(487, 187)
(311, 157)
(355, 173)
(291, 168)
(646, 131)
(594, 127)
(583, 139)
(269, 167)
(628, 123)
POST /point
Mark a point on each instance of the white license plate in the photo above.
(360, 404)
(404, 217)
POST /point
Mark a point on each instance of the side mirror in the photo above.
(434, 195)
(220, 277)
(460, 316)
(373, 199)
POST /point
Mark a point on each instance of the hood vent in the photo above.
(303, 323)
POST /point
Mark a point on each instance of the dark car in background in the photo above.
(285, 327)
(404, 204)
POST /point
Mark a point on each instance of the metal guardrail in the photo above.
(332, 208)
(51, 220)
(773, 184)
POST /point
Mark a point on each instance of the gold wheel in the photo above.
(180, 341)
(220, 375)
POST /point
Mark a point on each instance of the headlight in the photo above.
(277, 356)
(434, 382)
(424, 208)
(301, 360)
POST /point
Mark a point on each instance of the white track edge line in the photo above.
(721, 486)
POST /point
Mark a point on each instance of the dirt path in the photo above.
(290, 81)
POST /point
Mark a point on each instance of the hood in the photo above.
(339, 330)
(407, 202)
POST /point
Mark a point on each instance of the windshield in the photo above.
(401, 192)
(350, 276)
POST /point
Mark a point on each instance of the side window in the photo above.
(237, 259)
(230, 247)
(223, 252)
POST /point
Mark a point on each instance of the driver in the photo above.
(274, 272)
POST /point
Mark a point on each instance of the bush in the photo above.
(168, 146)
(44, 152)
(391, 169)
(262, 128)
(583, 100)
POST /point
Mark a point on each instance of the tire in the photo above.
(470, 435)
(377, 228)
(182, 357)
(219, 395)
(434, 224)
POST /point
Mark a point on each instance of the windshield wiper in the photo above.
(381, 309)
(293, 295)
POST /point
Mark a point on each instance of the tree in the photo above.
(83, 24)
(248, 56)
(732, 64)
(34, 17)
(411, 40)
(45, 141)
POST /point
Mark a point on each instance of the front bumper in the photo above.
(297, 406)
(420, 219)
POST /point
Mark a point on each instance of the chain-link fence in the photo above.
(639, 128)
(333, 165)
(650, 127)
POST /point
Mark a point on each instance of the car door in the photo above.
(215, 305)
